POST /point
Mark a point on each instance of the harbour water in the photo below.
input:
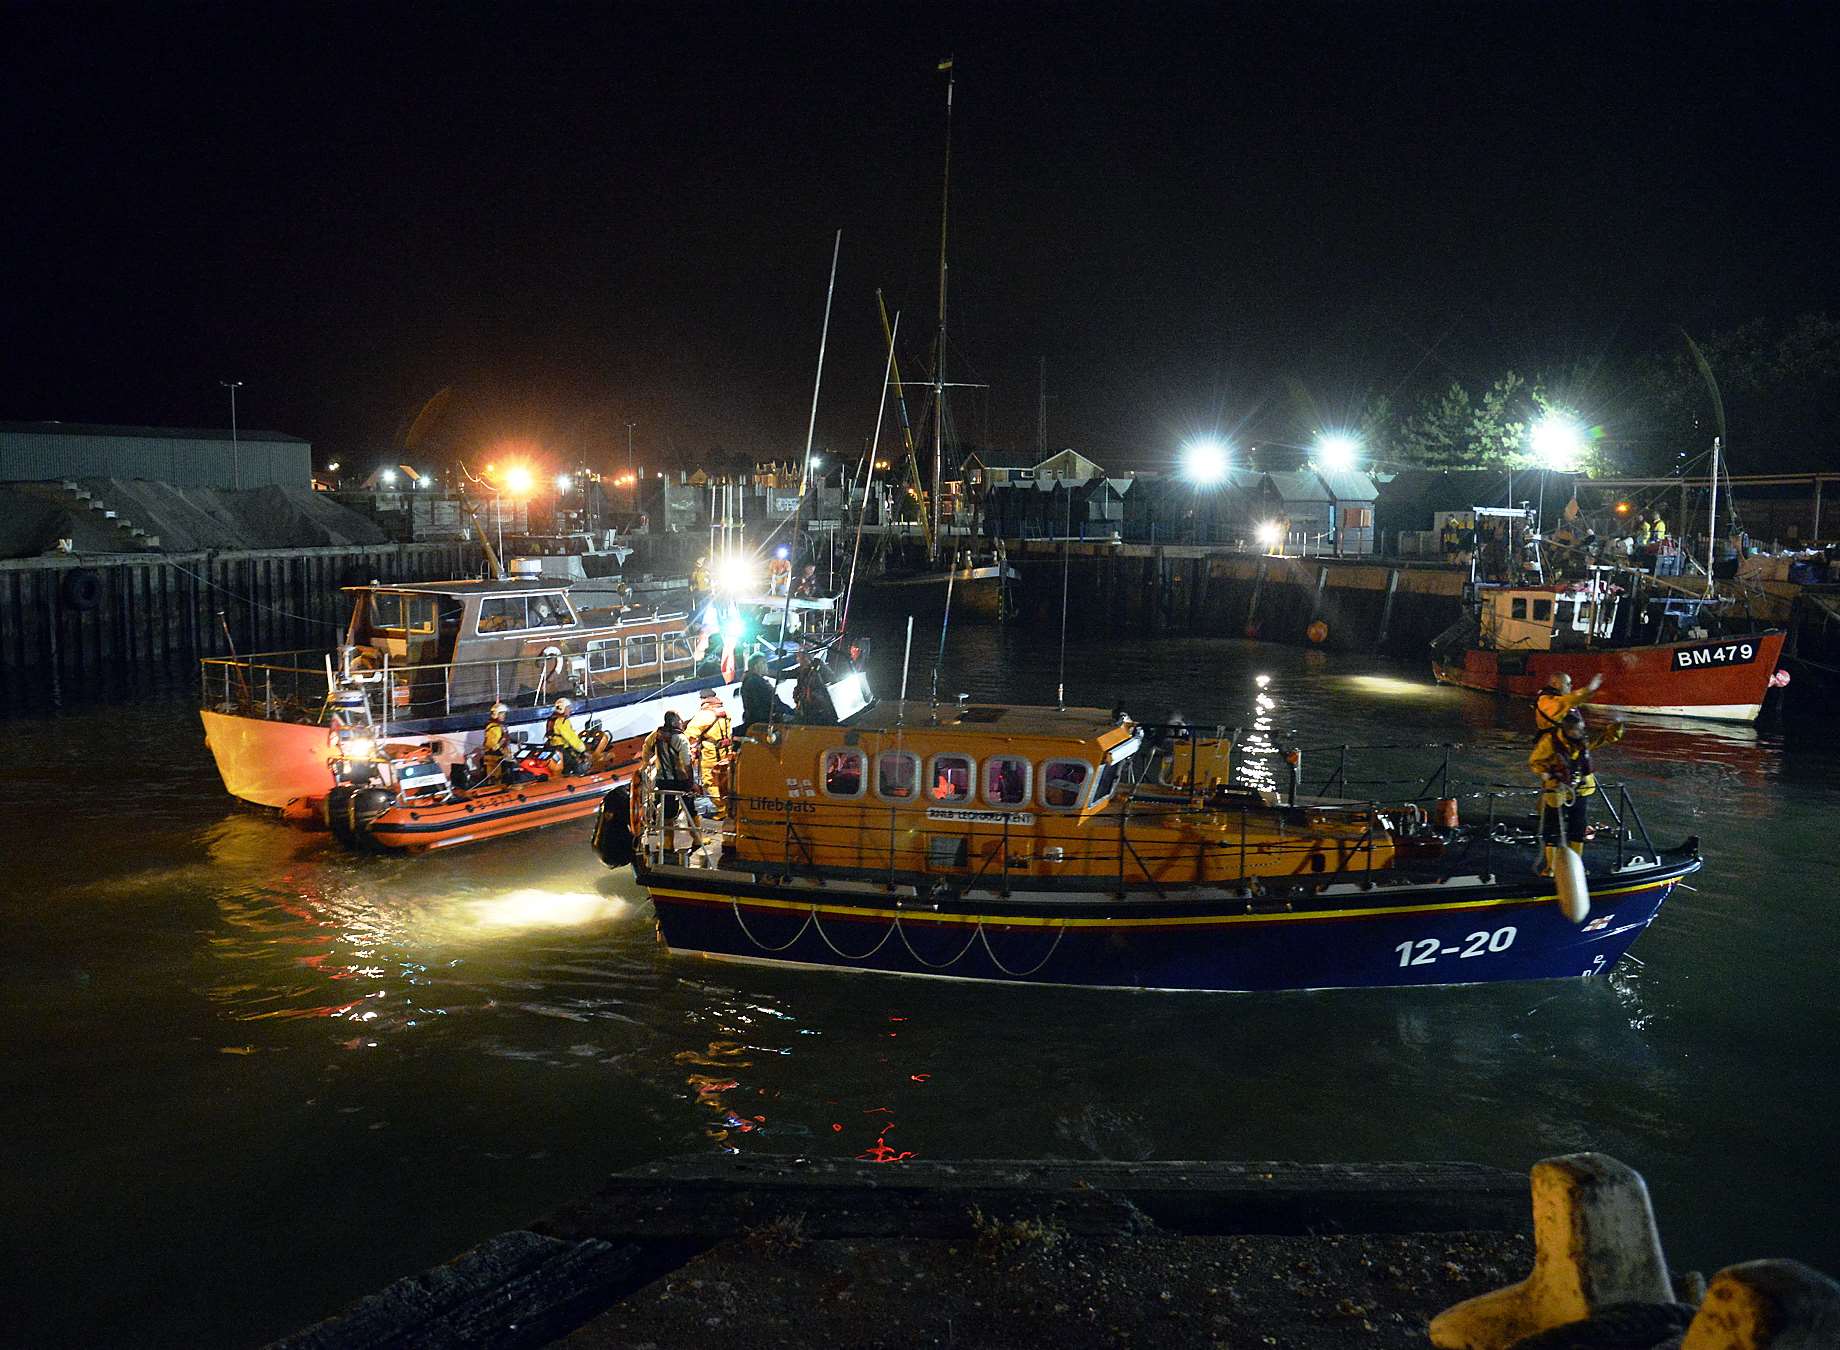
(251, 1077)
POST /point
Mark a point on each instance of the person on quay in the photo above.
(711, 742)
(811, 696)
(779, 574)
(562, 740)
(1562, 760)
(759, 703)
(1557, 698)
(666, 756)
(496, 756)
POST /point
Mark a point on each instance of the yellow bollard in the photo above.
(1767, 1305)
(1595, 1243)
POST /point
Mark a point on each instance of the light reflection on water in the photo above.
(220, 1014)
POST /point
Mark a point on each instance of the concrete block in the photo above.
(1767, 1305)
(1595, 1244)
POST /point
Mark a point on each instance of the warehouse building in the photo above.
(37, 452)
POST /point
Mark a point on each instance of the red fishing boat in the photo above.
(1657, 647)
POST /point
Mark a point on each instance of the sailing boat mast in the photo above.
(939, 355)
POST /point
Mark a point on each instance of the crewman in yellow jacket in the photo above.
(497, 744)
(1562, 759)
(1556, 699)
(710, 733)
(562, 740)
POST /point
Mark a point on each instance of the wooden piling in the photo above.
(1386, 608)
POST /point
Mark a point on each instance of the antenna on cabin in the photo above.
(907, 657)
(945, 623)
(1060, 690)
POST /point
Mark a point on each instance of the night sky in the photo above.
(1243, 216)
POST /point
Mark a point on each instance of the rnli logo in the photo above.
(1715, 654)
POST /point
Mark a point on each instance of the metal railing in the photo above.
(292, 686)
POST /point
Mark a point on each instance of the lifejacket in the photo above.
(495, 738)
(557, 733)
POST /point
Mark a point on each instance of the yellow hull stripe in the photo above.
(1173, 921)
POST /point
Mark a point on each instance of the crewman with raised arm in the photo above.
(1556, 699)
(1562, 759)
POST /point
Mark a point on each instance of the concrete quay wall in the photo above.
(1175, 590)
(99, 616)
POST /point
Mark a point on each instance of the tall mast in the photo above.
(939, 355)
(1712, 517)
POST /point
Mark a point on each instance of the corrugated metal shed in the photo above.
(46, 451)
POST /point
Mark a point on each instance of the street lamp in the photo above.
(1204, 464)
(236, 456)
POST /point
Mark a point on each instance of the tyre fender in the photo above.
(82, 589)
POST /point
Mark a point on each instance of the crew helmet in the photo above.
(500, 710)
(564, 704)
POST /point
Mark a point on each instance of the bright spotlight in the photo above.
(1269, 533)
(1204, 462)
(817, 461)
(333, 467)
(1557, 443)
(518, 480)
(1336, 451)
(562, 482)
(387, 477)
(736, 574)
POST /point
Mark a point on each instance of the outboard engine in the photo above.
(350, 811)
(613, 837)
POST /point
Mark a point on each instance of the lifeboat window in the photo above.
(604, 654)
(843, 773)
(1108, 779)
(1062, 782)
(897, 775)
(951, 778)
(677, 647)
(1518, 607)
(1006, 780)
(642, 650)
(501, 614)
(1542, 611)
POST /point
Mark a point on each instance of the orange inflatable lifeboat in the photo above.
(410, 805)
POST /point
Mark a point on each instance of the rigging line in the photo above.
(811, 425)
(253, 603)
(875, 445)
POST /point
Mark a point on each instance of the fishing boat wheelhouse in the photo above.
(1073, 847)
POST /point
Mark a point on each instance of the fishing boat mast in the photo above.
(939, 355)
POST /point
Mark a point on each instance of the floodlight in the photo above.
(1336, 451)
(1557, 443)
(1204, 462)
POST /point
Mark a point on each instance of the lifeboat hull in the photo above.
(1446, 935)
(1720, 679)
(491, 813)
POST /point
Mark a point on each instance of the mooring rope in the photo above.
(1059, 933)
(818, 924)
(928, 964)
(735, 904)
